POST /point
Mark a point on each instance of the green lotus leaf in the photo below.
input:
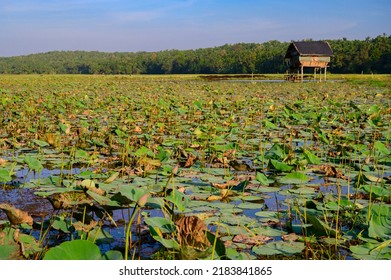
(277, 151)
(301, 190)
(33, 163)
(157, 234)
(380, 222)
(294, 178)
(313, 159)
(382, 193)
(5, 175)
(319, 226)
(261, 178)
(178, 199)
(250, 205)
(103, 200)
(280, 166)
(133, 193)
(165, 225)
(372, 251)
(381, 148)
(268, 231)
(74, 250)
(41, 143)
(262, 189)
(279, 248)
(113, 255)
(9, 252)
(266, 214)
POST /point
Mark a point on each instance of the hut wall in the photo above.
(314, 61)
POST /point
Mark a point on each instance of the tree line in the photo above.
(372, 55)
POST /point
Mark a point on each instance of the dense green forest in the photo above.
(372, 55)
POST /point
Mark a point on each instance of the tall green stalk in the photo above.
(129, 232)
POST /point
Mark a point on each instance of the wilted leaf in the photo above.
(68, 200)
(85, 227)
(112, 178)
(90, 186)
(214, 197)
(16, 216)
(331, 171)
(191, 232)
(226, 185)
(251, 240)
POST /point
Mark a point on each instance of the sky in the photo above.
(37, 26)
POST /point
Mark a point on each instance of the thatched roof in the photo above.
(309, 48)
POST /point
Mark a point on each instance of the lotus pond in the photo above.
(179, 167)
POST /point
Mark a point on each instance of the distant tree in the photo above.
(350, 56)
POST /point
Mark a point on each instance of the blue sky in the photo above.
(34, 26)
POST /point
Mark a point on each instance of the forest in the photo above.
(372, 55)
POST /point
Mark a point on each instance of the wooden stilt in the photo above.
(325, 75)
(320, 74)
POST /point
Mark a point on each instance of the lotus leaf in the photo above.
(5, 175)
(74, 250)
(33, 163)
(279, 248)
(294, 178)
(380, 222)
(370, 251)
(280, 166)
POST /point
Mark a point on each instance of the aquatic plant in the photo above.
(258, 170)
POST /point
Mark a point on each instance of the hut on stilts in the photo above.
(313, 54)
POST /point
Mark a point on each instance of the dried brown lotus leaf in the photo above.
(251, 240)
(16, 216)
(69, 199)
(191, 232)
(84, 227)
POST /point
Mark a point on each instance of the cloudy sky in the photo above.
(34, 26)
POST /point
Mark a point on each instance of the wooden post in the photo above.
(325, 76)
(302, 73)
(314, 73)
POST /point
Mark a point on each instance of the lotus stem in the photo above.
(128, 235)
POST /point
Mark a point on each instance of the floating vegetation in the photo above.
(139, 167)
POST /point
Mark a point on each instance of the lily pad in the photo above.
(279, 248)
(74, 250)
(294, 178)
(371, 251)
(250, 205)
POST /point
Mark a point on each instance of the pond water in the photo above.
(40, 208)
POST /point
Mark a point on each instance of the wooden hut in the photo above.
(314, 54)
